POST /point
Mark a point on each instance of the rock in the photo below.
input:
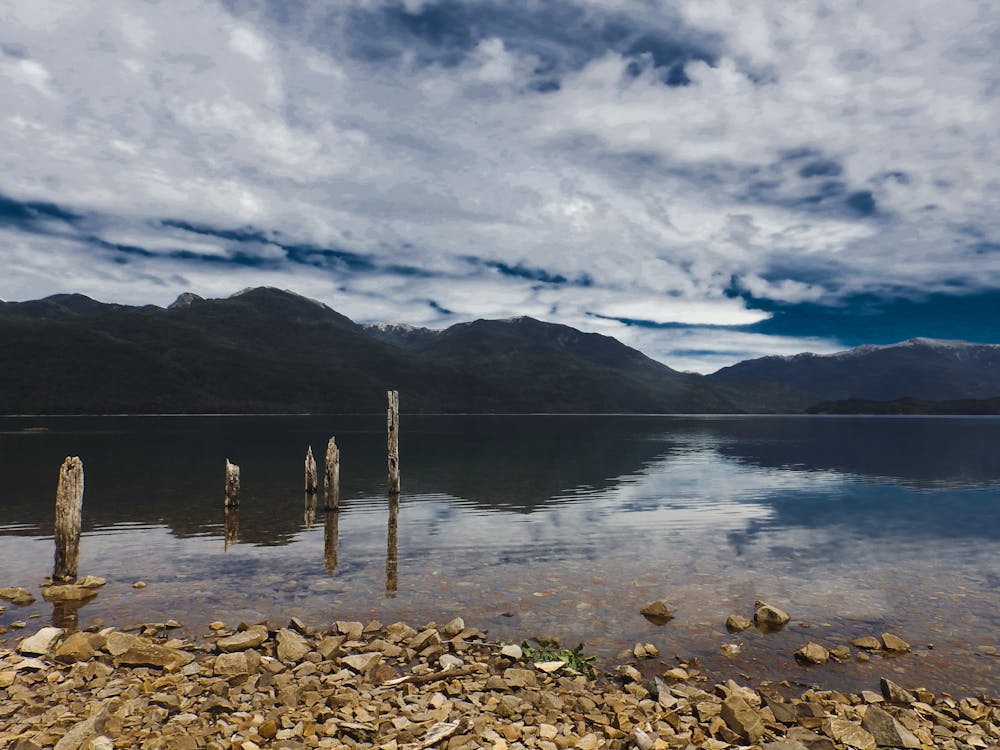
(737, 623)
(252, 637)
(657, 613)
(784, 745)
(329, 647)
(362, 663)
(730, 649)
(84, 731)
(352, 630)
(425, 638)
(453, 628)
(76, 647)
(742, 719)
(450, 661)
(7, 678)
(630, 673)
(17, 595)
(812, 653)
(894, 643)
(101, 743)
(91, 582)
(132, 650)
(840, 653)
(139, 585)
(268, 729)
(40, 643)
(512, 651)
(68, 592)
(867, 642)
(849, 733)
(292, 647)
(237, 662)
(886, 730)
(893, 693)
(399, 631)
(769, 617)
(550, 666)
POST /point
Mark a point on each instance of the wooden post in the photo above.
(331, 532)
(391, 549)
(393, 441)
(69, 514)
(232, 527)
(232, 485)
(331, 478)
(311, 482)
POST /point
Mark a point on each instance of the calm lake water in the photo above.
(556, 525)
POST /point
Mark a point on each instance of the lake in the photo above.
(544, 525)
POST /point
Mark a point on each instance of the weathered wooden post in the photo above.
(69, 514)
(311, 482)
(232, 526)
(232, 485)
(331, 532)
(393, 442)
(391, 551)
(331, 477)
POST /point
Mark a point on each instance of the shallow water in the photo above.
(556, 525)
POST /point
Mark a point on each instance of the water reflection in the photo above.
(331, 533)
(231, 533)
(310, 510)
(391, 551)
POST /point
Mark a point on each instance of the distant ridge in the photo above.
(266, 350)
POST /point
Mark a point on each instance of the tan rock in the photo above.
(237, 663)
(657, 612)
(886, 730)
(362, 663)
(68, 592)
(17, 595)
(512, 651)
(867, 642)
(769, 617)
(41, 643)
(742, 719)
(291, 646)
(893, 693)
(840, 653)
(350, 629)
(894, 643)
(252, 637)
(849, 733)
(812, 653)
(737, 623)
(76, 647)
(132, 650)
(453, 628)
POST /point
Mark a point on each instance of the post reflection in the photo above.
(331, 532)
(66, 614)
(391, 554)
(310, 509)
(232, 530)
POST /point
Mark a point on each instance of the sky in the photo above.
(705, 180)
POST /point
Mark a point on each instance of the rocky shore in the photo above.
(369, 685)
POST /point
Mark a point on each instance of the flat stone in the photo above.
(82, 732)
(362, 663)
(893, 693)
(252, 637)
(450, 661)
(867, 642)
(17, 595)
(812, 653)
(453, 627)
(76, 647)
(237, 662)
(41, 643)
(292, 647)
(68, 592)
(550, 666)
(657, 612)
(742, 719)
(737, 623)
(91, 582)
(768, 616)
(886, 730)
(132, 650)
(512, 651)
(894, 643)
(849, 733)
(840, 653)
(352, 630)
(329, 647)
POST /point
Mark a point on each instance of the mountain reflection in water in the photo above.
(568, 524)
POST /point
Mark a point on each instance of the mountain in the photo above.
(265, 351)
(922, 369)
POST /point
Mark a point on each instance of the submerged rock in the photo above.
(867, 642)
(68, 592)
(738, 623)
(894, 643)
(812, 653)
(17, 595)
(657, 613)
(769, 617)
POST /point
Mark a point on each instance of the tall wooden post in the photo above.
(232, 485)
(391, 548)
(331, 477)
(393, 442)
(311, 481)
(69, 514)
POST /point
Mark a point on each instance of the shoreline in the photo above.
(374, 685)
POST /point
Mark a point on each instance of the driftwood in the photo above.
(232, 485)
(311, 481)
(393, 441)
(69, 514)
(331, 477)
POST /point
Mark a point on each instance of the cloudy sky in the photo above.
(707, 180)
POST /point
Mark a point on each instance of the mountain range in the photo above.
(265, 350)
